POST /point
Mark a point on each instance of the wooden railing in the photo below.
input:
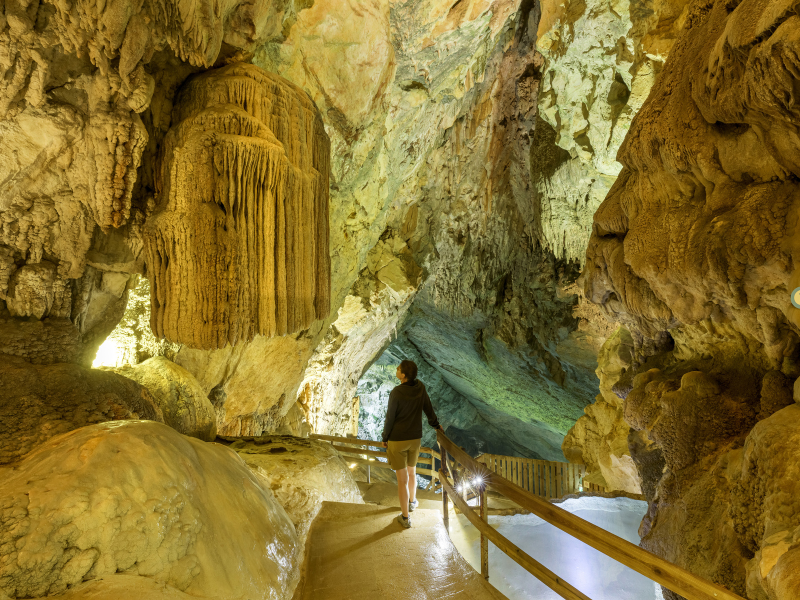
(353, 450)
(541, 477)
(477, 475)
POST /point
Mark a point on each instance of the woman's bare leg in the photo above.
(402, 490)
(412, 483)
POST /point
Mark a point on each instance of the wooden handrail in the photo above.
(654, 567)
(524, 560)
(546, 478)
(381, 453)
(383, 465)
(361, 451)
(360, 442)
(347, 447)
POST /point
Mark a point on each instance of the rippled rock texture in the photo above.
(301, 473)
(183, 402)
(40, 402)
(599, 439)
(238, 243)
(693, 250)
(137, 498)
(601, 58)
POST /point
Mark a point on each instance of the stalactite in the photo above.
(238, 245)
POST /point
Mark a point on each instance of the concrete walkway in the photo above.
(359, 552)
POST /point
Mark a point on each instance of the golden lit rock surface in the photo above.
(122, 587)
(138, 498)
(238, 243)
(301, 473)
(183, 402)
(599, 439)
(40, 402)
(694, 250)
(87, 89)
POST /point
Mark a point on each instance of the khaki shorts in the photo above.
(403, 454)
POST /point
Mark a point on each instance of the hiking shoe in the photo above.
(406, 523)
(413, 505)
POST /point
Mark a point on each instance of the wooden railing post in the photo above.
(484, 539)
(369, 476)
(443, 476)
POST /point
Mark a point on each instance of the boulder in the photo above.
(137, 498)
(185, 405)
(302, 473)
(41, 401)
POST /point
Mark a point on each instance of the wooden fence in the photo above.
(541, 477)
(477, 475)
(358, 451)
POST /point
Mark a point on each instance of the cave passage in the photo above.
(223, 223)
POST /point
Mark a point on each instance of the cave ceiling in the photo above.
(579, 218)
(444, 232)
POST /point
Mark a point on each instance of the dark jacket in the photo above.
(404, 414)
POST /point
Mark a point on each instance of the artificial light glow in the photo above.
(477, 481)
(459, 489)
(353, 466)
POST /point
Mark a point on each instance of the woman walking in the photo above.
(402, 434)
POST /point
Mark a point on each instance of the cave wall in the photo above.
(87, 93)
(694, 251)
(431, 109)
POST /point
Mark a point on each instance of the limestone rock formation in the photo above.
(443, 163)
(40, 402)
(238, 243)
(252, 386)
(139, 499)
(601, 57)
(294, 423)
(765, 509)
(132, 340)
(302, 474)
(737, 512)
(364, 326)
(185, 406)
(87, 89)
(599, 439)
(693, 250)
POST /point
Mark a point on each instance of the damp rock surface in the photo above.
(138, 498)
(177, 393)
(43, 401)
(301, 473)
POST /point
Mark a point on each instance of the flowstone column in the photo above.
(238, 245)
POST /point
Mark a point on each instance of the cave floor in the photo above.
(358, 551)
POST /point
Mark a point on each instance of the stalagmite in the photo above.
(238, 245)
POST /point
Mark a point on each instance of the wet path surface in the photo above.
(359, 552)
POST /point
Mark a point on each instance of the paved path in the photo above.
(359, 552)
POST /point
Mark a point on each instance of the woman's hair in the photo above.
(409, 369)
